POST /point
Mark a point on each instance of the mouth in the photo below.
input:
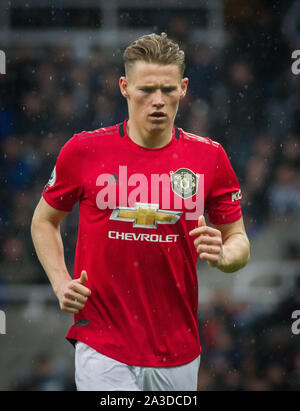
(158, 115)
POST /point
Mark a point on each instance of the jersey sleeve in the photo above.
(223, 202)
(64, 187)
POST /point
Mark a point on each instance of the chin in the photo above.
(157, 126)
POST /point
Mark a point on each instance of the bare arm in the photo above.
(225, 246)
(236, 246)
(45, 232)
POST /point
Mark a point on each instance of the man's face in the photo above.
(153, 92)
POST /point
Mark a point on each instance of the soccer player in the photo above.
(143, 187)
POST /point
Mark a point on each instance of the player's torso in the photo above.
(136, 210)
(152, 189)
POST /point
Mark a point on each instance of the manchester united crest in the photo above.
(184, 182)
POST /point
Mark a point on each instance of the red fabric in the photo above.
(144, 301)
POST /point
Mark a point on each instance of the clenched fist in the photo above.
(73, 294)
(208, 243)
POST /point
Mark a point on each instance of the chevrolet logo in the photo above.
(145, 215)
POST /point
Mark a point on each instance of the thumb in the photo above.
(83, 277)
(201, 221)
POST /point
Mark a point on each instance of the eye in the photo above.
(146, 90)
(168, 89)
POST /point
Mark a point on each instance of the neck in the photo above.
(147, 139)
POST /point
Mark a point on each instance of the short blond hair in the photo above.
(154, 48)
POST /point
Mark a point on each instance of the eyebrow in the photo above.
(153, 87)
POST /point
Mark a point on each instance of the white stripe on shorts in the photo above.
(97, 372)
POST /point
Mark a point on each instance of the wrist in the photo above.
(222, 264)
(59, 281)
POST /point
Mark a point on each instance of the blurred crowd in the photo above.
(243, 95)
(44, 373)
(246, 348)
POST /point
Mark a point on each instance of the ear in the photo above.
(184, 84)
(123, 83)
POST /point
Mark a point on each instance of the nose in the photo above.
(158, 100)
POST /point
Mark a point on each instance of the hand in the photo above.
(73, 294)
(208, 243)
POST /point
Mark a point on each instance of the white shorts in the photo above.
(97, 372)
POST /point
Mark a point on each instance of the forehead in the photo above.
(143, 72)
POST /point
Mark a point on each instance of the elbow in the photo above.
(246, 258)
(248, 252)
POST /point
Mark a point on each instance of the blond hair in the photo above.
(154, 48)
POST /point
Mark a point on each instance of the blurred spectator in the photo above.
(199, 118)
(201, 72)
(291, 24)
(292, 251)
(47, 81)
(276, 377)
(42, 377)
(293, 379)
(255, 192)
(262, 356)
(7, 119)
(244, 108)
(178, 28)
(16, 265)
(285, 192)
(32, 118)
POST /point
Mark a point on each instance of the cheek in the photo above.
(173, 102)
(140, 100)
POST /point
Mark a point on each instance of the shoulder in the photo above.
(204, 142)
(97, 133)
(86, 139)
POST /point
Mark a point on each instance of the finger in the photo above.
(202, 239)
(73, 295)
(70, 310)
(67, 303)
(201, 221)
(209, 249)
(80, 289)
(209, 257)
(205, 230)
(83, 277)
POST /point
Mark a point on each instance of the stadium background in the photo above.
(64, 59)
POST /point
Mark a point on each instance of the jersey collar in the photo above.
(123, 132)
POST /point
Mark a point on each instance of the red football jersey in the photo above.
(136, 208)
